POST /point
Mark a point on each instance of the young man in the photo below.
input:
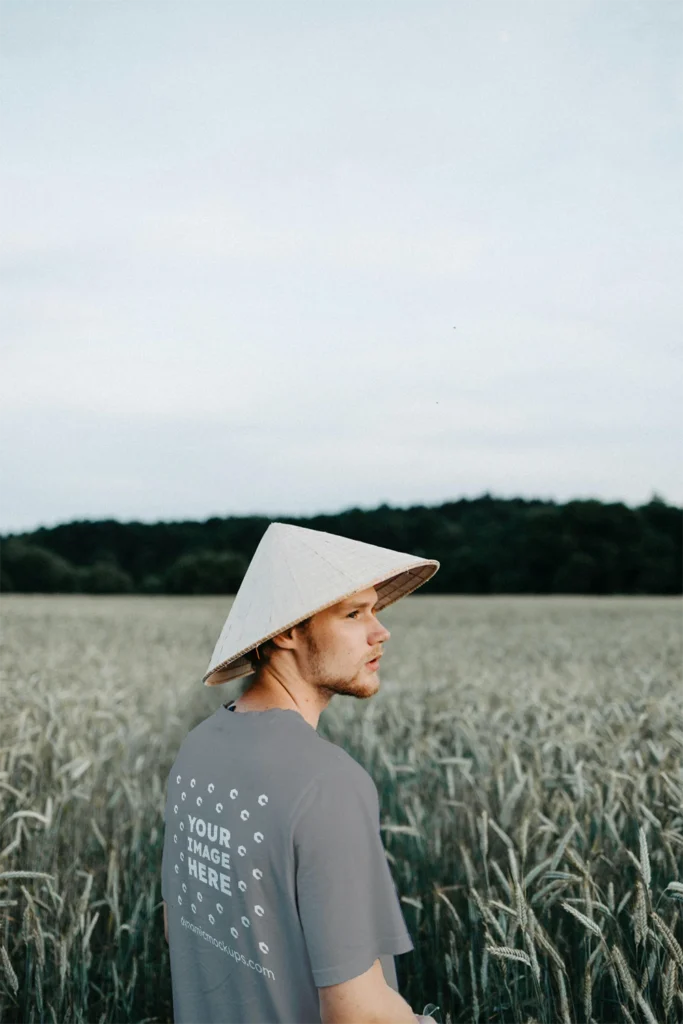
(279, 905)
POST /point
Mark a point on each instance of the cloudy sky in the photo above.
(290, 257)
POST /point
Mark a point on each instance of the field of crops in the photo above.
(528, 754)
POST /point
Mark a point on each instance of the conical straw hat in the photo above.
(296, 572)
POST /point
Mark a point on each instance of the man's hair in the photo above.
(267, 648)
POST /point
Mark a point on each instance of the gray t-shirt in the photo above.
(273, 870)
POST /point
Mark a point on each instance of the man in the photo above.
(281, 905)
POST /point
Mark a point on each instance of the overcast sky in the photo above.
(290, 257)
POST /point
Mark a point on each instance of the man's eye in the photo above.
(352, 613)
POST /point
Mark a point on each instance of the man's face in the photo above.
(334, 652)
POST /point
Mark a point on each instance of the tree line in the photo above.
(485, 545)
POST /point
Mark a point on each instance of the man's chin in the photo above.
(363, 685)
(368, 686)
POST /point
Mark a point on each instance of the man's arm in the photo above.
(165, 922)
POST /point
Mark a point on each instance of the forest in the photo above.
(486, 545)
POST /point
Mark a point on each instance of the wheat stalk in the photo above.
(508, 953)
(644, 857)
(591, 925)
(669, 938)
(564, 1005)
(669, 984)
(627, 979)
(8, 970)
(645, 1007)
(475, 1000)
(587, 992)
(640, 914)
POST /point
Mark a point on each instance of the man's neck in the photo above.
(261, 697)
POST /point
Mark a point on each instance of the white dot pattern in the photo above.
(205, 834)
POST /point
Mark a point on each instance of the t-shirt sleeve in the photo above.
(347, 901)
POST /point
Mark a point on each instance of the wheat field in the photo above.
(528, 756)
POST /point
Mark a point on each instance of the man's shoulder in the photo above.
(339, 774)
